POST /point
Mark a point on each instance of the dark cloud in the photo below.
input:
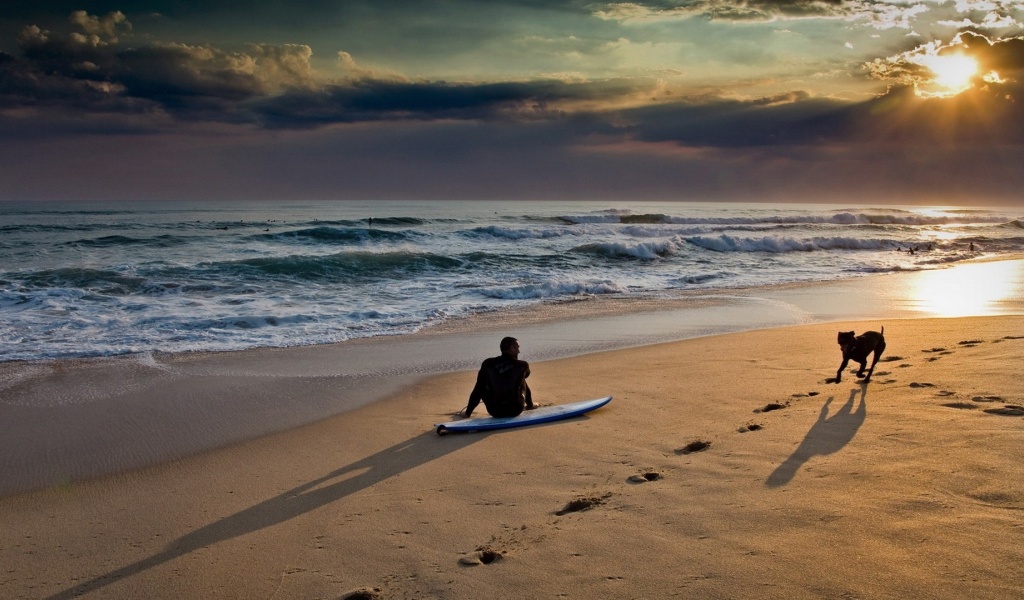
(87, 72)
(1005, 55)
(380, 100)
(987, 116)
(527, 138)
(563, 159)
(84, 68)
(738, 124)
(265, 85)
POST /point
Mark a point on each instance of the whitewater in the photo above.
(105, 279)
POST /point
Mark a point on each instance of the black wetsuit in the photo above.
(501, 385)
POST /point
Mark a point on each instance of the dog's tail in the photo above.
(883, 330)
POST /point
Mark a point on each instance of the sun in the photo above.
(953, 73)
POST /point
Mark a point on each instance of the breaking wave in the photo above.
(728, 243)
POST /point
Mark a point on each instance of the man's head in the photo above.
(509, 345)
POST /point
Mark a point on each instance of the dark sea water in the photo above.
(107, 279)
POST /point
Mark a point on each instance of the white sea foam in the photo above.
(553, 289)
(126, 279)
(728, 243)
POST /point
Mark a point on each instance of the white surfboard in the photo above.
(543, 414)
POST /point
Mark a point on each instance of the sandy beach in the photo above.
(725, 467)
(252, 257)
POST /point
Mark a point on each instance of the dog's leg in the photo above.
(842, 367)
(874, 361)
(863, 365)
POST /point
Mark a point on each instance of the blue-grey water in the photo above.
(81, 279)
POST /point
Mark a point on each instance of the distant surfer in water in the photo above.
(501, 384)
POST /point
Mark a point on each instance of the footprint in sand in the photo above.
(921, 385)
(644, 477)
(770, 407)
(903, 366)
(694, 446)
(1010, 410)
(751, 427)
(939, 351)
(803, 395)
(581, 504)
(987, 399)
(482, 556)
(945, 393)
(970, 343)
(1013, 337)
(961, 405)
(363, 594)
(891, 358)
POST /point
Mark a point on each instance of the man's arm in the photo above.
(526, 388)
(477, 394)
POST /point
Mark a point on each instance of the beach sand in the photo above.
(910, 486)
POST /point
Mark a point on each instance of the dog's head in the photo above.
(846, 339)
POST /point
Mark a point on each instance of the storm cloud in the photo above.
(121, 105)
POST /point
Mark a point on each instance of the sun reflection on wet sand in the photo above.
(981, 289)
(964, 290)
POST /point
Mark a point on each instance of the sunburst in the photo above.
(953, 73)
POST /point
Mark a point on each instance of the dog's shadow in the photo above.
(827, 436)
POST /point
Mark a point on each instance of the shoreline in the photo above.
(66, 421)
(600, 305)
(801, 486)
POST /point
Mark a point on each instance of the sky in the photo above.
(901, 102)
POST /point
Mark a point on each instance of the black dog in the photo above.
(858, 347)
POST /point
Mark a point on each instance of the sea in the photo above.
(106, 279)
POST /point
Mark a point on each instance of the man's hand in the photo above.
(462, 413)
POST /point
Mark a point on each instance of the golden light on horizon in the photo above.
(953, 74)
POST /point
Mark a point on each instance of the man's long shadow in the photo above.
(827, 435)
(297, 501)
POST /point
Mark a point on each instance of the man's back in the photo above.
(501, 383)
(505, 376)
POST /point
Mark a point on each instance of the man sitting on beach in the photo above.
(501, 383)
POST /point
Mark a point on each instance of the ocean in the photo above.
(108, 279)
